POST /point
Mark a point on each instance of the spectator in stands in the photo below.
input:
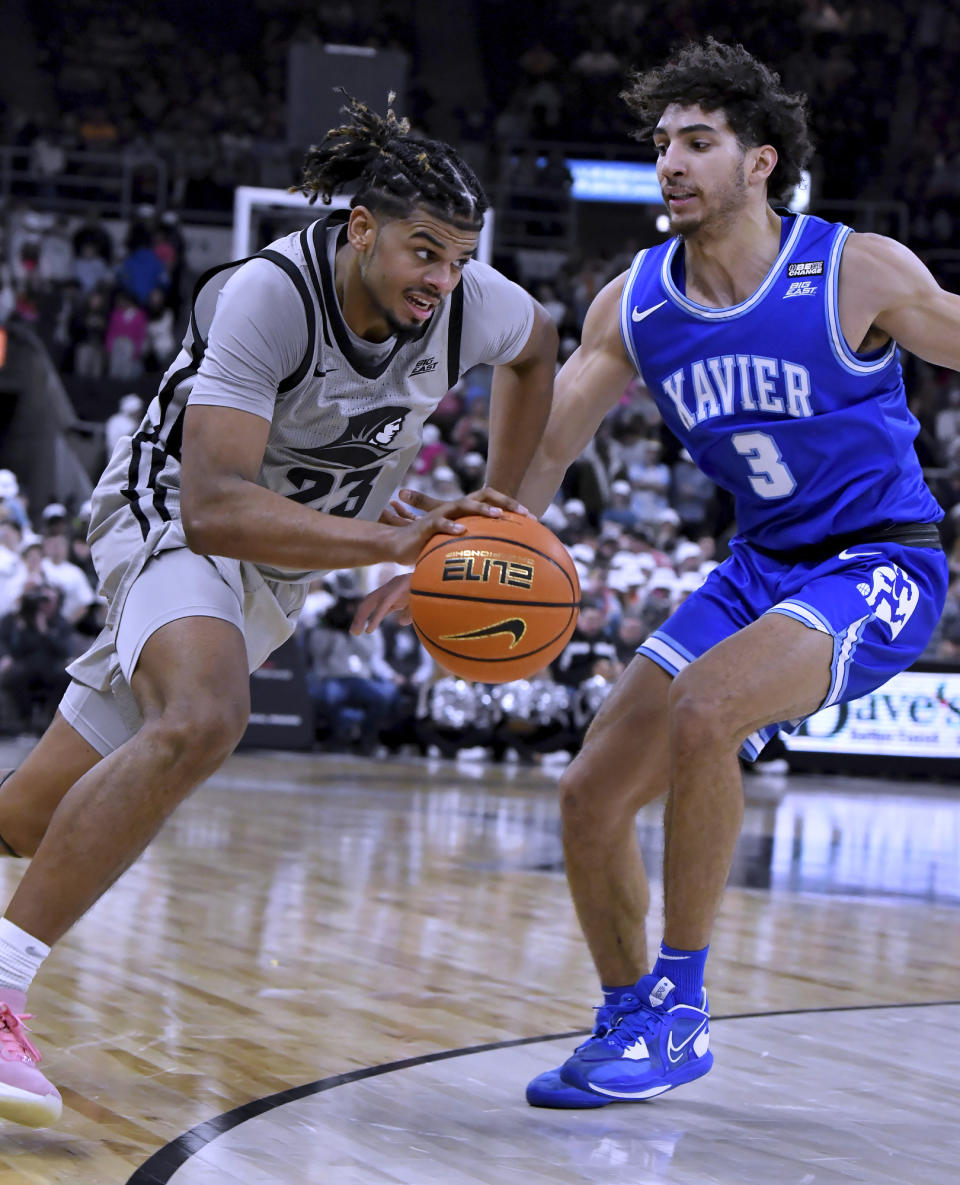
(658, 596)
(619, 513)
(90, 269)
(597, 589)
(639, 541)
(556, 309)
(75, 589)
(576, 523)
(55, 261)
(35, 646)
(412, 668)
(687, 557)
(691, 493)
(666, 530)
(650, 479)
(88, 333)
(435, 450)
(124, 421)
(170, 247)
(11, 565)
(48, 160)
(92, 232)
(471, 433)
(12, 504)
(589, 646)
(30, 575)
(126, 337)
(141, 269)
(442, 483)
(161, 339)
(79, 547)
(630, 632)
(470, 469)
(686, 583)
(352, 687)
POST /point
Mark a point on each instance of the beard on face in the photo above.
(726, 205)
(397, 327)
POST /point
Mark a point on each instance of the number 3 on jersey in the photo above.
(770, 478)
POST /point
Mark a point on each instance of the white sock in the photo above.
(20, 956)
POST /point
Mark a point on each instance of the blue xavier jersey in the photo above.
(810, 438)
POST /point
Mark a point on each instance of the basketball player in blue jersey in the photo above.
(271, 452)
(769, 341)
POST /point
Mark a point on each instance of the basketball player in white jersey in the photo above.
(271, 452)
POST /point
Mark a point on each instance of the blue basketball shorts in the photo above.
(880, 602)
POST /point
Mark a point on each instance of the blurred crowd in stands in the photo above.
(102, 307)
(878, 74)
(49, 608)
(642, 523)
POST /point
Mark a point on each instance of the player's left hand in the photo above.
(407, 502)
(398, 515)
(392, 597)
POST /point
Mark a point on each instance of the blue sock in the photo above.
(685, 969)
(612, 995)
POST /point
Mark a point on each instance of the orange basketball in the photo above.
(498, 602)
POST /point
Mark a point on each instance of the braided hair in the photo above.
(720, 77)
(391, 169)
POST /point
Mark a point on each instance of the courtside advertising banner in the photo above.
(915, 714)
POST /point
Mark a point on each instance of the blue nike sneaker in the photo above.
(654, 1045)
(549, 1090)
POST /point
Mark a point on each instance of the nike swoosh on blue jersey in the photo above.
(638, 316)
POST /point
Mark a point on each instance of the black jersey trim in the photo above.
(201, 283)
(290, 268)
(308, 254)
(296, 275)
(148, 436)
(454, 334)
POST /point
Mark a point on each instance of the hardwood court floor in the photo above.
(262, 999)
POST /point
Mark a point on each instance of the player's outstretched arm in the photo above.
(886, 291)
(590, 382)
(520, 398)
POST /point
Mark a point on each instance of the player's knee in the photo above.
(198, 736)
(702, 717)
(592, 811)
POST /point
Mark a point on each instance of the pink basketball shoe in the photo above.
(25, 1095)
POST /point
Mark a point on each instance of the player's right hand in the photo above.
(409, 539)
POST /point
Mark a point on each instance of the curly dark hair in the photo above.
(727, 78)
(391, 169)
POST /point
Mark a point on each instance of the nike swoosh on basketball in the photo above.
(515, 626)
(318, 373)
(678, 1049)
(638, 316)
(855, 555)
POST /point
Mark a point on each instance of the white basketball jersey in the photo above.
(267, 336)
